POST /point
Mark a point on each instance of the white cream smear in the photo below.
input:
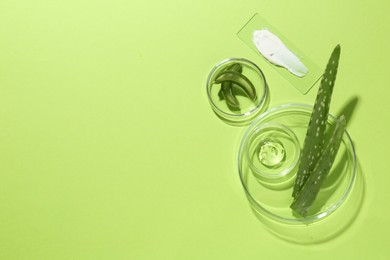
(273, 49)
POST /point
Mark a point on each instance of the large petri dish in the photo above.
(337, 201)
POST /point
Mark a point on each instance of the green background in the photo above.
(109, 148)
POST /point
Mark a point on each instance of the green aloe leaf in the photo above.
(315, 136)
(305, 198)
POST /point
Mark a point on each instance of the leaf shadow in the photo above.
(348, 109)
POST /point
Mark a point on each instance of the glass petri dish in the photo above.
(247, 108)
(337, 202)
(272, 151)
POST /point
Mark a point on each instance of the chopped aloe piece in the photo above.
(314, 142)
(235, 67)
(239, 79)
(231, 100)
(234, 83)
(305, 198)
(226, 91)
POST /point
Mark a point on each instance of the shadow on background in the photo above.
(348, 109)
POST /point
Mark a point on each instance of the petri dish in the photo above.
(272, 151)
(337, 202)
(247, 108)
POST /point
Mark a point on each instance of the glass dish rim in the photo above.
(250, 112)
(317, 217)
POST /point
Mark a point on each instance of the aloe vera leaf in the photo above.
(309, 192)
(236, 90)
(239, 79)
(234, 67)
(315, 135)
(231, 100)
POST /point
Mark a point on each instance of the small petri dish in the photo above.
(272, 151)
(247, 108)
(336, 204)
